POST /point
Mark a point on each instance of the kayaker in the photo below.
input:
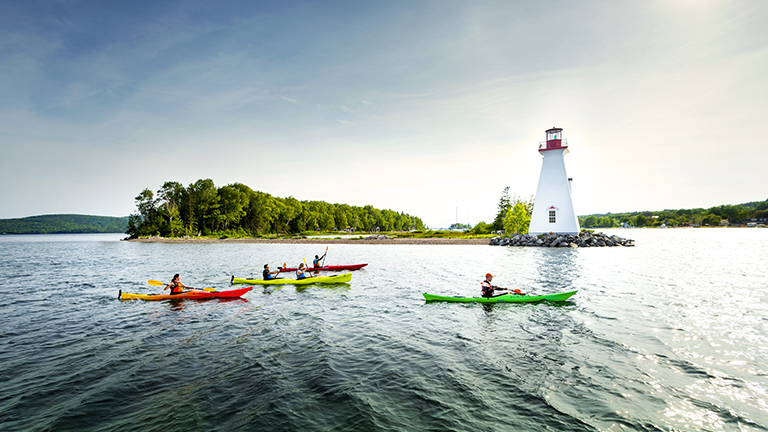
(316, 261)
(176, 286)
(301, 272)
(488, 288)
(268, 274)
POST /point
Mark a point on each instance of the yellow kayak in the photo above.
(342, 278)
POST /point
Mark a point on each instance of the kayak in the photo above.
(506, 298)
(342, 278)
(188, 295)
(326, 268)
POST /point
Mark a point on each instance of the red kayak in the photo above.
(326, 268)
(194, 294)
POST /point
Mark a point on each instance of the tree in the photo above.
(145, 222)
(517, 220)
(232, 204)
(341, 218)
(605, 222)
(482, 228)
(527, 203)
(640, 221)
(288, 210)
(712, 220)
(205, 198)
(504, 206)
(460, 226)
(171, 197)
(261, 213)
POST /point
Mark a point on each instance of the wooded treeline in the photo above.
(739, 214)
(64, 224)
(512, 217)
(235, 210)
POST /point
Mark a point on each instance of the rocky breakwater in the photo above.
(584, 239)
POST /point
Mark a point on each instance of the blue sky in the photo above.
(426, 107)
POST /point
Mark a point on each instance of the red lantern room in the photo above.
(554, 140)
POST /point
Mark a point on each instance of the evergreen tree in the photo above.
(504, 206)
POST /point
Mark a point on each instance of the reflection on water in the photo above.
(336, 287)
(558, 269)
(540, 270)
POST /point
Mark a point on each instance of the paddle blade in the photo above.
(155, 282)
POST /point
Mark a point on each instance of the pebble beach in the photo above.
(325, 241)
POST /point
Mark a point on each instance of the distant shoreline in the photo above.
(358, 241)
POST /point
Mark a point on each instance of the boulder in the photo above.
(583, 239)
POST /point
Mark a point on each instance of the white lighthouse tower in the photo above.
(553, 208)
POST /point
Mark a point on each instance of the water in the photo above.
(670, 335)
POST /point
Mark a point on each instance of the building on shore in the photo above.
(553, 208)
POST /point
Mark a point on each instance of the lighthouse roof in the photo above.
(554, 129)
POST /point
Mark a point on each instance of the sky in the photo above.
(425, 107)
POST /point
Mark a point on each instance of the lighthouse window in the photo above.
(552, 218)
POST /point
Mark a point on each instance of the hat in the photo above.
(488, 274)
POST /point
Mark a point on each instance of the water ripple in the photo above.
(669, 335)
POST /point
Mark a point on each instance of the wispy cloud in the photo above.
(426, 91)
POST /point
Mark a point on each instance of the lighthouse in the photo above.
(553, 208)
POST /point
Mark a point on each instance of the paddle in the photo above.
(306, 268)
(325, 255)
(158, 283)
(511, 291)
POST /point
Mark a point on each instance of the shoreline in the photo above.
(363, 241)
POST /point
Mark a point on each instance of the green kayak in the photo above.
(506, 298)
(342, 278)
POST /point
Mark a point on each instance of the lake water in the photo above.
(671, 335)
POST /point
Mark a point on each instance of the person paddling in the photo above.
(488, 288)
(316, 261)
(301, 272)
(268, 275)
(176, 286)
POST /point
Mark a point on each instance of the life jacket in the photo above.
(487, 288)
(176, 288)
(266, 275)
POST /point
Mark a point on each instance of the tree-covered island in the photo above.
(235, 210)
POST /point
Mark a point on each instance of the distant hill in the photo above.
(732, 215)
(64, 224)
